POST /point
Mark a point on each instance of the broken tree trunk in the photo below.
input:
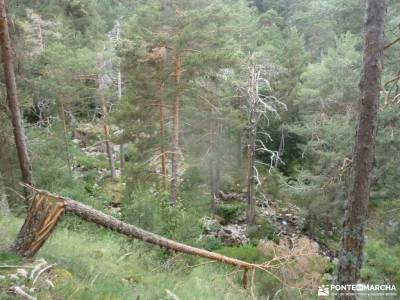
(47, 207)
(41, 220)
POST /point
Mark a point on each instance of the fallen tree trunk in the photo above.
(92, 215)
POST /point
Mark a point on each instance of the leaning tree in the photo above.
(12, 97)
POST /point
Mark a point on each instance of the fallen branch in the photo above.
(124, 256)
(392, 43)
(15, 267)
(41, 272)
(172, 295)
(20, 292)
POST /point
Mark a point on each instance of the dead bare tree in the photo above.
(239, 149)
(258, 106)
(114, 37)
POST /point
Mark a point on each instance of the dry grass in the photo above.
(296, 262)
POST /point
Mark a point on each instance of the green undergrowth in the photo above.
(382, 250)
(247, 252)
(230, 211)
(99, 264)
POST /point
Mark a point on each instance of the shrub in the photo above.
(263, 229)
(193, 177)
(381, 263)
(247, 252)
(153, 211)
(212, 244)
(230, 211)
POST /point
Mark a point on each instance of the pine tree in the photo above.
(12, 98)
(198, 40)
(351, 256)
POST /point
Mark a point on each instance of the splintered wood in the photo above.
(42, 217)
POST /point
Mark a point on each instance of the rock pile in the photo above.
(230, 235)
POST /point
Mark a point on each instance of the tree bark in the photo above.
(122, 145)
(351, 256)
(4, 208)
(239, 155)
(213, 191)
(175, 135)
(106, 129)
(162, 138)
(12, 98)
(218, 153)
(212, 161)
(122, 159)
(251, 200)
(90, 214)
(109, 150)
(66, 143)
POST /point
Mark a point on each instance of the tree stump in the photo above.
(42, 218)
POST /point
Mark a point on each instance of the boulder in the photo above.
(210, 225)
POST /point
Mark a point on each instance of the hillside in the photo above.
(264, 132)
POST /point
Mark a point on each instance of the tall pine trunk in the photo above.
(175, 134)
(12, 98)
(109, 150)
(122, 159)
(162, 138)
(106, 130)
(122, 145)
(211, 165)
(65, 130)
(239, 152)
(351, 256)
